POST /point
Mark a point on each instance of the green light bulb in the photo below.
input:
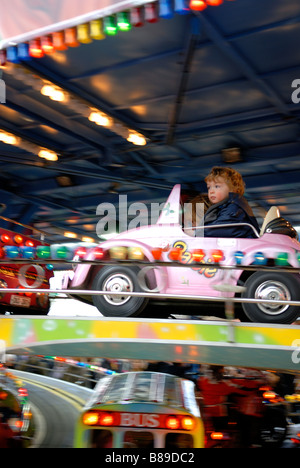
(62, 252)
(43, 251)
(282, 259)
(123, 22)
(109, 26)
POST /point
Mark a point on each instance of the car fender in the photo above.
(85, 273)
(271, 245)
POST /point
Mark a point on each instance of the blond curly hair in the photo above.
(232, 178)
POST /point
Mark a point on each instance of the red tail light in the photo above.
(99, 253)
(98, 418)
(172, 422)
(217, 436)
(106, 419)
(188, 423)
(90, 418)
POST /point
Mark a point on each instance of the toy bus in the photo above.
(141, 410)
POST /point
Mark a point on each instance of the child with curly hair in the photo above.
(228, 206)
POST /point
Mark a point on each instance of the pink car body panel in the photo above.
(196, 280)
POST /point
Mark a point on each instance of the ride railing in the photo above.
(79, 373)
(228, 289)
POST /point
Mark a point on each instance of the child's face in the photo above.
(217, 189)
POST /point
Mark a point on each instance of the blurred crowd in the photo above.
(231, 400)
(234, 401)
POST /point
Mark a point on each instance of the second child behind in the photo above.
(228, 206)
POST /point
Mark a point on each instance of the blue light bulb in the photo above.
(165, 9)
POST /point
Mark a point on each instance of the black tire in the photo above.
(265, 285)
(118, 278)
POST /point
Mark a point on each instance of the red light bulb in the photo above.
(156, 252)
(29, 243)
(18, 239)
(175, 254)
(35, 49)
(151, 15)
(2, 58)
(136, 19)
(217, 256)
(214, 2)
(47, 45)
(98, 253)
(5, 238)
(198, 255)
(81, 252)
(71, 37)
(198, 5)
(59, 41)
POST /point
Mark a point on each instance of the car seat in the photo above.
(275, 224)
(272, 214)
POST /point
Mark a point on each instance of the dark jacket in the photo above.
(234, 209)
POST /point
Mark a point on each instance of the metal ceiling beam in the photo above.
(53, 123)
(39, 201)
(288, 180)
(204, 89)
(194, 27)
(177, 51)
(40, 69)
(103, 175)
(218, 39)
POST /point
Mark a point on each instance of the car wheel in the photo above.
(272, 286)
(118, 279)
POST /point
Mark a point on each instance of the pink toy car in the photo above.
(168, 241)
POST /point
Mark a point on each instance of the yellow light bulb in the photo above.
(53, 93)
(100, 118)
(70, 235)
(8, 138)
(47, 154)
(136, 139)
(57, 95)
(46, 90)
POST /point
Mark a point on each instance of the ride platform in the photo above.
(225, 342)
